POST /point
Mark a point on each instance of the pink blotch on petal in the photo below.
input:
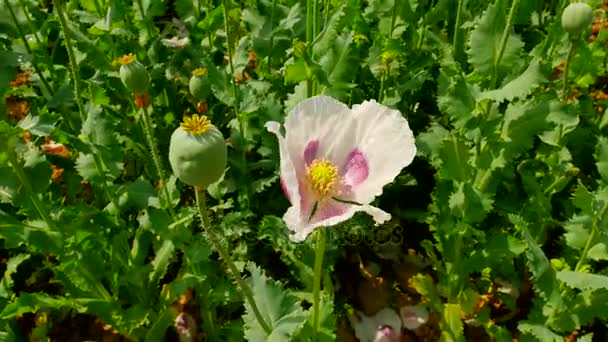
(310, 152)
(284, 187)
(329, 210)
(356, 168)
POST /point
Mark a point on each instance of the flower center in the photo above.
(126, 59)
(199, 72)
(196, 124)
(322, 177)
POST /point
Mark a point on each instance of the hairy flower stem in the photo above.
(571, 50)
(46, 84)
(46, 217)
(245, 290)
(316, 285)
(149, 133)
(73, 65)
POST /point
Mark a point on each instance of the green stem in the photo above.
(42, 212)
(209, 9)
(309, 39)
(316, 285)
(99, 166)
(274, 4)
(232, 270)
(393, 18)
(381, 91)
(591, 240)
(504, 40)
(143, 18)
(46, 84)
(458, 32)
(71, 57)
(235, 90)
(571, 51)
(149, 133)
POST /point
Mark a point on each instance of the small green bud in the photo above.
(199, 84)
(299, 49)
(577, 17)
(198, 153)
(134, 75)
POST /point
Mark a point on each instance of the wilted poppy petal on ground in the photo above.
(336, 160)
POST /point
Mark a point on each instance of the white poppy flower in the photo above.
(384, 326)
(414, 316)
(336, 160)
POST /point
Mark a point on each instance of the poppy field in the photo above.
(303, 170)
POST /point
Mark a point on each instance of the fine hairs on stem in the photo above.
(232, 270)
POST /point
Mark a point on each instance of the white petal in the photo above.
(288, 171)
(317, 118)
(386, 140)
(301, 228)
(366, 327)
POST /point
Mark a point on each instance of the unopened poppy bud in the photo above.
(577, 17)
(199, 84)
(134, 75)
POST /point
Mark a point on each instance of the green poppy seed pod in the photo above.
(199, 84)
(577, 17)
(198, 153)
(134, 75)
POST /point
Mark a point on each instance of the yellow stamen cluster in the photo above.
(199, 72)
(323, 178)
(126, 59)
(196, 124)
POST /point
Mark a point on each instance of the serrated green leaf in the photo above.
(9, 185)
(452, 323)
(213, 20)
(41, 124)
(424, 285)
(583, 281)
(520, 87)
(564, 120)
(429, 142)
(87, 168)
(163, 258)
(32, 302)
(485, 40)
(454, 155)
(296, 72)
(35, 234)
(279, 308)
(543, 275)
(456, 97)
(470, 205)
(601, 157)
(523, 121)
(11, 268)
(539, 331)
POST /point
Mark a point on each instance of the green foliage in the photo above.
(278, 307)
(500, 221)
